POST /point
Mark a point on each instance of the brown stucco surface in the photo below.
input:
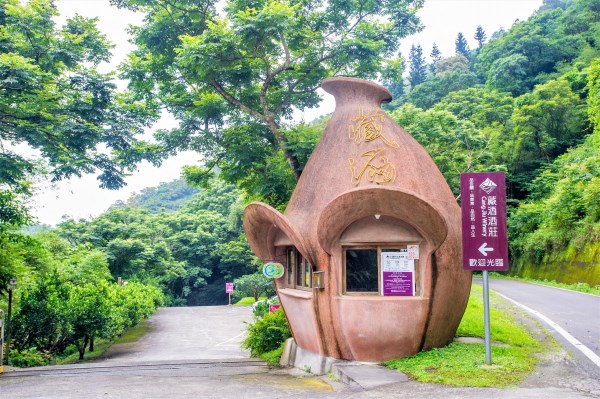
(401, 182)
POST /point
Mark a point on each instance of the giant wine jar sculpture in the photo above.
(368, 190)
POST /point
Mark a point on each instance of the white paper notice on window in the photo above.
(413, 251)
(396, 262)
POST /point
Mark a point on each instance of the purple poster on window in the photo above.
(397, 274)
(483, 202)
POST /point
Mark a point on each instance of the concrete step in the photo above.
(366, 375)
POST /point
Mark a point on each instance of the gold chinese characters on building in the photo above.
(373, 165)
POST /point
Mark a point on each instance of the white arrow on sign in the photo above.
(484, 249)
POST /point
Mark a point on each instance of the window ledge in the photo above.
(296, 293)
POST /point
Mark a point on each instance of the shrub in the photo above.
(267, 333)
(272, 358)
(260, 308)
(29, 358)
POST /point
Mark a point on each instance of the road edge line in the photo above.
(572, 340)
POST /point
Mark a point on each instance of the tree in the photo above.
(239, 73)
(480, 36)
(391, 76)
(539, 47)
(461, 45)
(546, 123)
(436, 56)
(455, 145)
(456, 63)
(509, 74)
(41, 320)
(482, 106)
(253, 285)
(55, 101)
(427, 94)
(417, 72)
(186, 252)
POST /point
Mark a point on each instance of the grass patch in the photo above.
(272, 358)
(100, 346)
(131, 334)
(503, 327)
(579, 287)
(463, 364)
(247, 301)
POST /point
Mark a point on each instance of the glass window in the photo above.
(291, 266)
(363, 270)
(362, 273)
(307, 274)
(299, 270)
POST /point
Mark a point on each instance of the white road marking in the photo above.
(574, 341)
(231, 339)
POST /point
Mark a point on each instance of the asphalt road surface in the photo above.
(195, 353)
(575, 312)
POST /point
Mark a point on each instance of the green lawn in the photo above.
(247, 301)
(462, 364)
(131, 334)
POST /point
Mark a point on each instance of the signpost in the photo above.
(11, 286)
(1, 340)
(229, 290)
(485, 247)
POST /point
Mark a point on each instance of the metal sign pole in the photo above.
(7, 342)
(486, 318)
(1, 340)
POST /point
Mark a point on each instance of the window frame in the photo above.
(379, 248)
(297, 276)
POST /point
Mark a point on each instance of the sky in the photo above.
(82, 198)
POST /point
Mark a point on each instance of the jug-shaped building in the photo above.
(373, 224)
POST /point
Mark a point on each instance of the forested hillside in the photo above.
(165, 197)
(189, 253)
(525, 103)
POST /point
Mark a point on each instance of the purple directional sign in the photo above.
(483, 197)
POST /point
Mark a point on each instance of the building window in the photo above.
(291, 266)
(299, 270)
(362, 271)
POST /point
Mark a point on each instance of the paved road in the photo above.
(194, 353)
(577, 313)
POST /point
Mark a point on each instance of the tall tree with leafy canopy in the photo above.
(242, 71)
(54, 100)
(417, 72)
(436, 55)
(480, 36)
(461, 45)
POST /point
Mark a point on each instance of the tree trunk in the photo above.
(81, 348)
(282, 141)
(92, 343)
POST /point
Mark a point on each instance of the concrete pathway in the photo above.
(190, 333)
